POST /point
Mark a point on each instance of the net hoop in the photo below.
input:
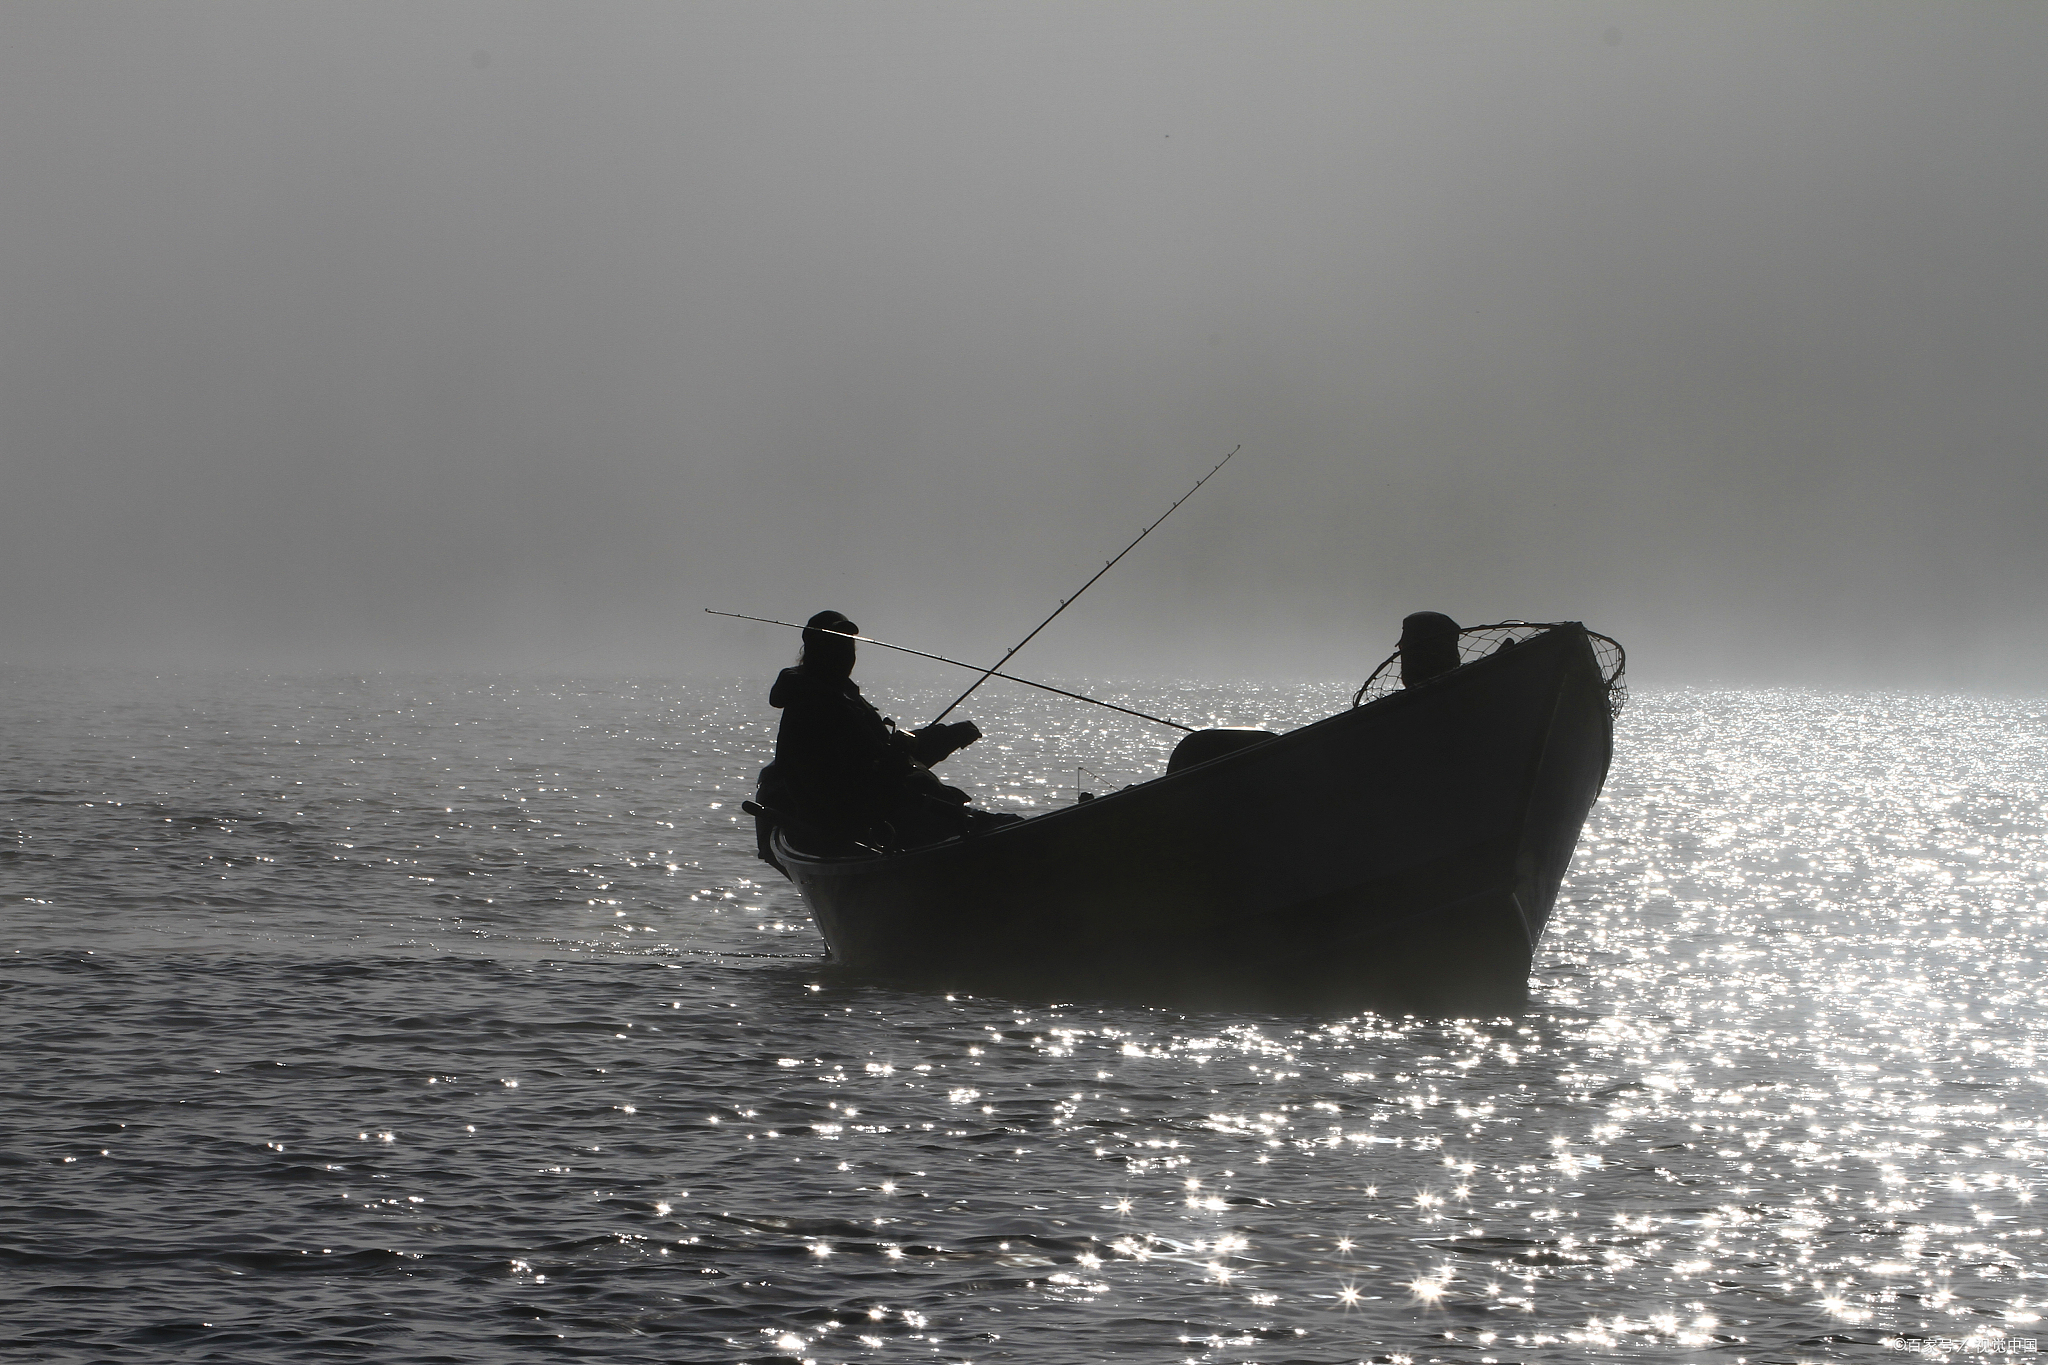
(1476, 642)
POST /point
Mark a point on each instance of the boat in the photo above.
(1402, 855)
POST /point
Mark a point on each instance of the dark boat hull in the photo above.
(1403, 855)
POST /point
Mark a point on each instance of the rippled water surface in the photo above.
(452, 1020)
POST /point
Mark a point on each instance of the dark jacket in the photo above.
(844, 769)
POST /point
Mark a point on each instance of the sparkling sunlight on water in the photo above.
(432, 1019)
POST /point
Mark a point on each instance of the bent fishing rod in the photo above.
(991, 673)
(986, 673)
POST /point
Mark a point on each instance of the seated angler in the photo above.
(844, 775)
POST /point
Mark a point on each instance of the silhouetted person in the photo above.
(843, 773)
(1429, 646)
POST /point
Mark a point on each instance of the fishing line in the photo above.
(987, 673)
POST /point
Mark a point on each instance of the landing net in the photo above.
(1476, 642)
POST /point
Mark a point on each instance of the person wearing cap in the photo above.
(844, 774)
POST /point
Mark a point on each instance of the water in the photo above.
(452, 1020)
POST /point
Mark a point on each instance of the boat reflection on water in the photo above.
(1401, 855)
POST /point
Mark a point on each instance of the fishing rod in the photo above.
(991, 673)
(987, 673)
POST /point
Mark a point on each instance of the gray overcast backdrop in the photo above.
(513, 335)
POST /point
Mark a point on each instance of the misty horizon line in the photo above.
(880, 683)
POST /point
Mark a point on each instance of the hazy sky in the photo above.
(514, 335)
